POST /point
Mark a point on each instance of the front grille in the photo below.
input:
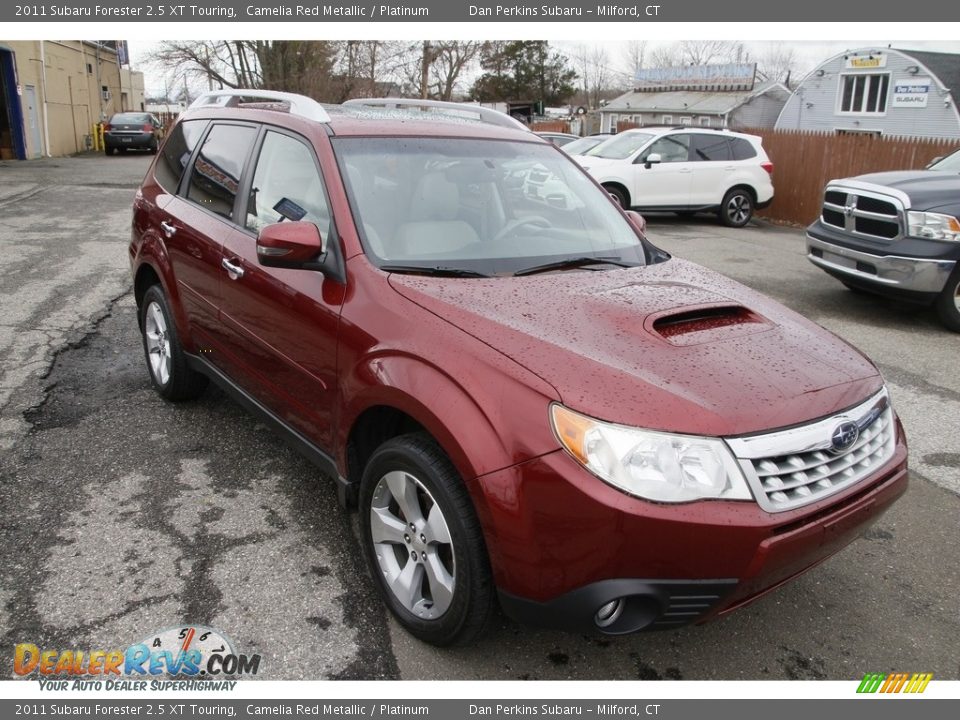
(862, 213)
(792, 468)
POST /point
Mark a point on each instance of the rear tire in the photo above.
(736, 208)
(423, 543)
(171, 375)
(948, 302)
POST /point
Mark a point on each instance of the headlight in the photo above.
(934, 226)
(653, 465)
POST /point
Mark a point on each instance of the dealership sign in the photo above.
(911, 93)
(733, 76)
(865, 62)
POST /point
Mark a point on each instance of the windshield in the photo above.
(578, 147)
(620, 147)
(951, 163)
(482, 207)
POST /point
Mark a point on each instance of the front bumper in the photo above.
(908, 274)
(563, 544)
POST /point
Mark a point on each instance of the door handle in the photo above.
(234, 271)
(168, 229)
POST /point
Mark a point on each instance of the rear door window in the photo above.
(176, 153)
(710, 148)
(215, 177)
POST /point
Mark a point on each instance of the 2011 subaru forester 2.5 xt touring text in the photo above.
(527, 401)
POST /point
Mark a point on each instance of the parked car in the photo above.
(528, 403)
(895, 234)
(685, 170)
(558, 138)
(581, 145)
(132, 131)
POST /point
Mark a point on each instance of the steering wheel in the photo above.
(513, 225)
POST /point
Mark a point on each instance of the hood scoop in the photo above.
(706, 323)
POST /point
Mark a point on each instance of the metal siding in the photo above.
(938, 119)
(761, 112)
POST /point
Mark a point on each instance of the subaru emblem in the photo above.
(844, 436)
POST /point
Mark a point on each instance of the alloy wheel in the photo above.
(158, 343)
(412, 544)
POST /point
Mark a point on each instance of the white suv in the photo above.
(684, 170)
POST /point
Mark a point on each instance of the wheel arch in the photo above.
(152, 267)
(620, 187)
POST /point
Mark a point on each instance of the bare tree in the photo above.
(666, 56)
(778, 63)
(699, 52)
(451, 58)
(635, 56)
(591, 64)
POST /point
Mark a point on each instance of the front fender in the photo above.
(480, 425)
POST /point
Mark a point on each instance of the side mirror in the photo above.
(298, 246)
(652, 159)
(637, 220)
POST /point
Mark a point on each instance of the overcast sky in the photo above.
(809, 53)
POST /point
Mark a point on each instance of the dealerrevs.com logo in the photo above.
(194, 651)
(894, 682)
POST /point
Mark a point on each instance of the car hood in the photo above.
(671, 346)
(926, 188)
(591, 162)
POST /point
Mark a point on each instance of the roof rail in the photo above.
(485, 114)
(299, 105)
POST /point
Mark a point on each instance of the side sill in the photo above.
(346, 492)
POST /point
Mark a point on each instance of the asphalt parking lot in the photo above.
(121, 515)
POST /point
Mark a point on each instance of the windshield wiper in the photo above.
(569, 263)
(438, 271)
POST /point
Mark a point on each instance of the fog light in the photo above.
(607, 614)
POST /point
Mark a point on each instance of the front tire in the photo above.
(736, 208)
(171, 375)
(423, 543)
(948, 302)
(619, 195)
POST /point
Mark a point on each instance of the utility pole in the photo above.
(425, 70)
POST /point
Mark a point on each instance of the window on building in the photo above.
(864, 93)
(89, 69)
(668, 119)
(705, 122)
(686, 121)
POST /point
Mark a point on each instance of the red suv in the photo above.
(526, 400)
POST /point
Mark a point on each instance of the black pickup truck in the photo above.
(895, 234)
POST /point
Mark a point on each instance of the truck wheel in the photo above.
(423, 543)
(948, 302)
(172, 377)
(736, 208)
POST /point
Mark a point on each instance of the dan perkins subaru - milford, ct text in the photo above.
(515, 11)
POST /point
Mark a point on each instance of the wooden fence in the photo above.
(804, 162)
(551, 126)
